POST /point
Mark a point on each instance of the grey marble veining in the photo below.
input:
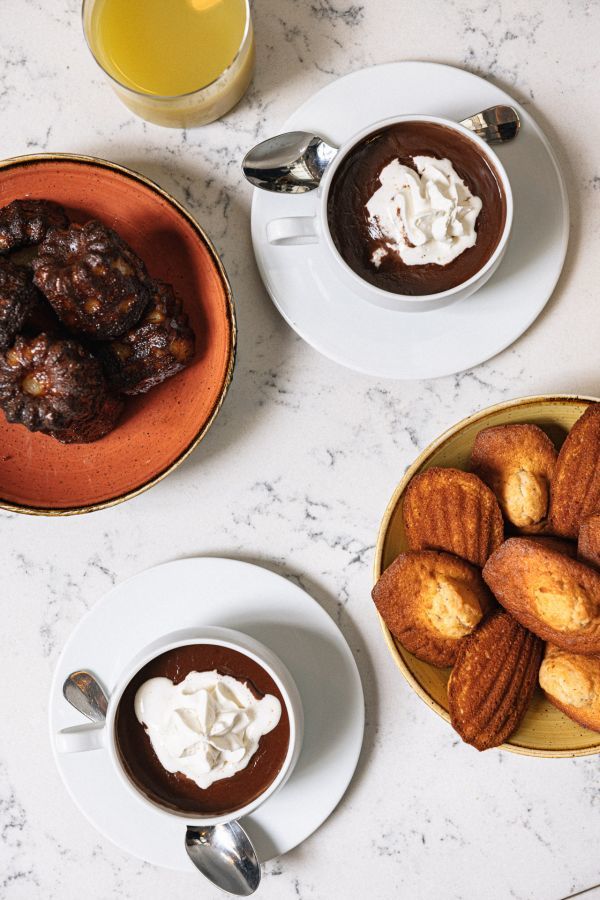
(298, 468)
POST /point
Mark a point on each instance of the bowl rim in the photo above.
(28, 159)
(382, 536)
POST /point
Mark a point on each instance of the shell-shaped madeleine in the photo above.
(572, 683)
(556, 597)
(430, 601)
(588, 542)
(451, 510)
(517, 462)
(575, 485)
(493, 680)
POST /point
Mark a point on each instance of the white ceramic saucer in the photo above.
(305, 287)
(193, 592)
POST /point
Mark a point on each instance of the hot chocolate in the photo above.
(202, 729)
(416, 208)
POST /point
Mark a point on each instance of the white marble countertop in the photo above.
(299, 466)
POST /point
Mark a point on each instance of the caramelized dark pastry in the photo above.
(26, 222)
(85, 431)
(17, 300)
(57, 387)
(41, 317)
(96, 284)
(157, 347)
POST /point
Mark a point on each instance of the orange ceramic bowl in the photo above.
(38, 475)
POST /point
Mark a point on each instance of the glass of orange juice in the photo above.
(178, 63)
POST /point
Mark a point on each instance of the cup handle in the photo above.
(81, 738)
(293, 231)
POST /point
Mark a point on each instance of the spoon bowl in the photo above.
(290, 163)
(85, 693)
(225, 855)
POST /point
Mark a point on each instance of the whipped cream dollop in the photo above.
(207, 727)
(424, 216)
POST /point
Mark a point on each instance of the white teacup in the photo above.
(298, 230)
(92, 737)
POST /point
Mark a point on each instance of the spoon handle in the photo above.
(495, 125)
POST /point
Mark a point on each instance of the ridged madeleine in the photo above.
(430, 601)
(556, 597)
(454, 511)
(517, 462)
(572, 683)
(575, 485)
(588, 542)
(493, 680)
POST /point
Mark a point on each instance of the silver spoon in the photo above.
(223, 853)
(290, 163)
(83, 692)
(294, 162)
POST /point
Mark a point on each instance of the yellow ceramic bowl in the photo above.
(544, 731)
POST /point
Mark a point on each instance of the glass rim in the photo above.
(165, 98)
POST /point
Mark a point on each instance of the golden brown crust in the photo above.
(556, 597)
(569, 548)
(575, 485)
(588, 542)
(430, 601)
(451, 510)
(572, 683)
(517, 462)
(493, 680)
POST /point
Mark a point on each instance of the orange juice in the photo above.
(162, 53)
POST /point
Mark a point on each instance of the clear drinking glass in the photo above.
(199, 107)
